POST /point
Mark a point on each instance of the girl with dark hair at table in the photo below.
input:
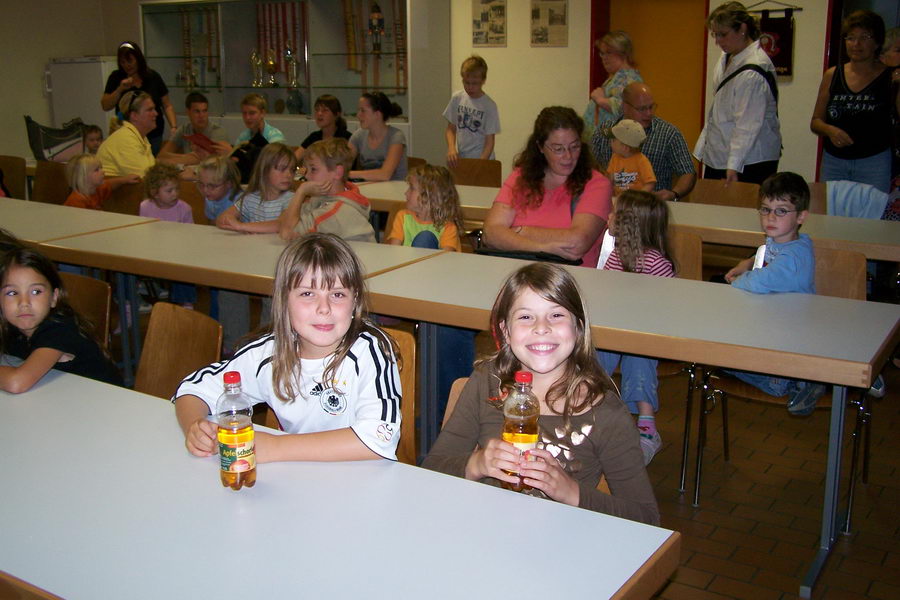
(38, 325)
(134, 74)
(380, 148)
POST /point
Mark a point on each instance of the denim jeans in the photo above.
(874, 170)
(639, 382)
(774, 386)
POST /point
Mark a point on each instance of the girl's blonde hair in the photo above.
(642, 223)
(223, 169)
(77, 171)
(438, 194)
(584, 383)
(329, 258)
(270, 157)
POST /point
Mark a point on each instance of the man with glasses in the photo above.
(664, 146)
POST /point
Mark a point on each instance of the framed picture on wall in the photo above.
(549, 23)
(489, 23)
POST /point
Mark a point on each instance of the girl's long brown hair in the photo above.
(270, 157)
(584, 383)
(642, 223)
(331, 259)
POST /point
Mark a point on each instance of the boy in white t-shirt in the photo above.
(472, 117)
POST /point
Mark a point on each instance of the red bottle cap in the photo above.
(523, 376)
(235, 377)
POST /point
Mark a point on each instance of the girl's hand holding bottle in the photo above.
(200, 439)
(494, 460)
(539, 469)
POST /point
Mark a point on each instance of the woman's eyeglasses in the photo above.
(559, 149)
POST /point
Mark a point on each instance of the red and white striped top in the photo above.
(653, 263)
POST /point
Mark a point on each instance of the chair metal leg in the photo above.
(858, 430)
(701, 435)
(723, 397)
(685, 443)
(867, 440)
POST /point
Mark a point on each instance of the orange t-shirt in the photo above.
(94, 201)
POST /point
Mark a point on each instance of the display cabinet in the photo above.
(292, 51)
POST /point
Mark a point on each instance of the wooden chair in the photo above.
(477, 171)
(126, 199)
(178, 342)
(91, 298)
(14, 175)
(406, 342)
(50, 185)
(407, 448)
(413, 161)
(714, 191)
(190, 193)
(818, 197)
(739, 194)
(839, 273)
(456, 389)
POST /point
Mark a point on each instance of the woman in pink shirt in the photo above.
(554, 201)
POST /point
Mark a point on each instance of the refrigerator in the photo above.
(74, 87)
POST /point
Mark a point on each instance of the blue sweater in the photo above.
(789, 267)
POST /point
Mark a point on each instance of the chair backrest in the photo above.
(406, 342)
(126, 199)
(478, 171)
(414, 161)
(190, 193)
(714, 191)
(178, 342)
(455, 390)
(687, 251)
(818, 197)
(840, 273)
(91, 298)
(14, 175)
(50, 183)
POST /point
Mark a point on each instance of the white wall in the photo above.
(31, 33)
(521, 79)
(797, 94)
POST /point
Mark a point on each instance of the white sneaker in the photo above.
(650, 446)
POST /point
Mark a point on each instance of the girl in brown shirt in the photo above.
(540, 323)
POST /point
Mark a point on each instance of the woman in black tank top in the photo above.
(853, 109)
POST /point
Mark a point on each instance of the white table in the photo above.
(877, 239)
(39, 222)
(102, 501)
(837, 341)
(206, 255)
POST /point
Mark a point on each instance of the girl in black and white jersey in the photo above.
(329, 374)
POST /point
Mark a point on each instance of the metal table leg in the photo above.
(427, 354)
(832, 488)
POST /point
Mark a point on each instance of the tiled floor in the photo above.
(757, 526)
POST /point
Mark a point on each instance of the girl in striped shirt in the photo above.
(637, 238)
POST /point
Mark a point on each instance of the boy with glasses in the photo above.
(786, 263)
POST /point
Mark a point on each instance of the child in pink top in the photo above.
(161, 185)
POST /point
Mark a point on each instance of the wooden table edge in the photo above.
(406, 264)
(87, 233)
(13, 587)
(655, 571)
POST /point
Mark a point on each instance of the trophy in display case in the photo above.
(256, 66)
(291, 67)
(271, 68)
